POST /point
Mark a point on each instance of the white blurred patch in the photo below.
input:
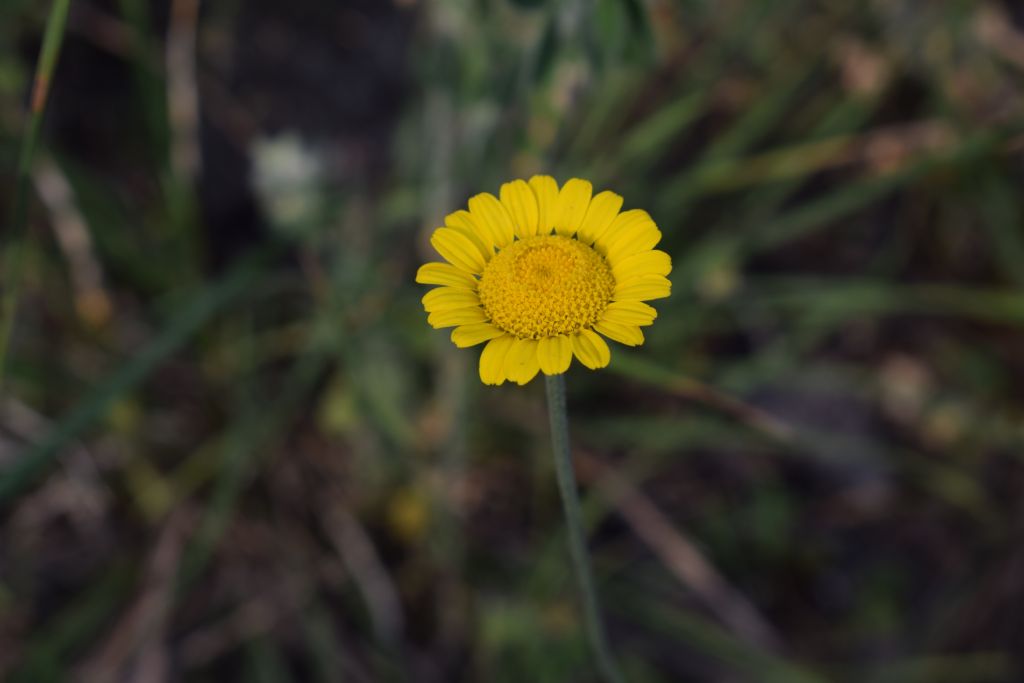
(287, 176)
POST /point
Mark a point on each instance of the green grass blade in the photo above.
(843, 299)
(10, 276)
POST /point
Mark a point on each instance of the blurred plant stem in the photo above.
(574, 524)
(14, 257)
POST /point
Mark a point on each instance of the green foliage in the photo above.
(228, 437)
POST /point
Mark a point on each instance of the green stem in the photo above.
(574, 525)
(10, 269)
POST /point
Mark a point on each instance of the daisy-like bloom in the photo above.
(541, 273)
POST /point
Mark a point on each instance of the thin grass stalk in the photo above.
(14, 254)
(574, 526)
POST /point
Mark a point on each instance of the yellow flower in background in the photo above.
(541, 273)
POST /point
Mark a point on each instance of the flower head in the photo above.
(541, 273)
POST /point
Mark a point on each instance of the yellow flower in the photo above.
(541, 273)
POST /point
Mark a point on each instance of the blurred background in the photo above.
(231, 448)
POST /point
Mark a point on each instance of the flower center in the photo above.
(545, 286)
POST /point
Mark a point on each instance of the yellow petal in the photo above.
(488, 212)
(486, 252)
(629, 313)
(449, 298)
(458, 250)
(573, 202)
(624, 221)
(463, 221)
(644, 263)
(643, 288)
(492, 360)
(554, 354)
(638, 237)
(530, 371)
(521, 362)
(630, 335)
(458, 316)
(545, 189)
(444, 274)
(475, 333)
(521, 204)
(590, 349)
(602, 211)
(489, 235)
